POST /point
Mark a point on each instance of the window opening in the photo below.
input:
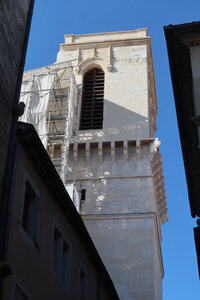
(83, 195)
(61, 253)
(30, 219)
(92, 100)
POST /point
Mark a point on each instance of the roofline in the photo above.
(181, 26)
(181, 76)
(107, 33)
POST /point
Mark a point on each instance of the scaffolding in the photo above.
(50, 95)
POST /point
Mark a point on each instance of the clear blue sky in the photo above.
(51, 20)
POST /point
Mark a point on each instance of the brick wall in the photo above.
(13, 16)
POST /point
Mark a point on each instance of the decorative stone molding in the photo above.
(105, 63)
(125, 144)
(89, 62)
(159, 186)
(100, 151)
(127, 154)
(75, 153)
(138, 149)
(155, 163)
(109, 60)
(112, 151)
(87, 152)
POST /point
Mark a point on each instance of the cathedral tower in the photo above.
(114, 158)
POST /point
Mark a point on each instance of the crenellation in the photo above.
(138, 149)
(129, 148)
(125, 144)
(100, 151)
(75, 153)
(87, 152)
(112, 151)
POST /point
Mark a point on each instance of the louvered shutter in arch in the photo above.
(92, 100)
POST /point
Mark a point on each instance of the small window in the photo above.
(83, 195)
(82, 284)
(31, 218)
(61, 259)
(92, 100)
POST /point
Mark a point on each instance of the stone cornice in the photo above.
(105, 36)
(102, 44)
(111, 177)
(138, 144)
(159, 186)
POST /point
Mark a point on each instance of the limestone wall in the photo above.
(114, 185)
(125, 244)
(121, 212)
(127, 95)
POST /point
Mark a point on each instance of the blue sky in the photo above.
(51, 20)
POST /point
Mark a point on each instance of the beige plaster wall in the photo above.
(32, 266)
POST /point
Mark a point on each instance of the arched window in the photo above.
(92, 100)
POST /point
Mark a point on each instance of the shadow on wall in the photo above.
(119, 124)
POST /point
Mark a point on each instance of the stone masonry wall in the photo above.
(13, 16)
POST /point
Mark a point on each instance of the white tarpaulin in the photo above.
(69, 126)
(35, 94)
(74, 195)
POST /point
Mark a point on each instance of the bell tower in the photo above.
(114, 158)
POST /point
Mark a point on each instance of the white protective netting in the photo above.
(74, 195)
(69, 126)
(35, 94)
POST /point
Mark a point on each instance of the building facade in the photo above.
(183, 44)
(50, 253)
(14, 31)
(104, 143)
(14, 20)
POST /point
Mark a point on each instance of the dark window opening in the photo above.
(83, 195)
(61, 257)
(92, 100)
(30, 219)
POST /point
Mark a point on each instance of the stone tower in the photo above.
(114, 159)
